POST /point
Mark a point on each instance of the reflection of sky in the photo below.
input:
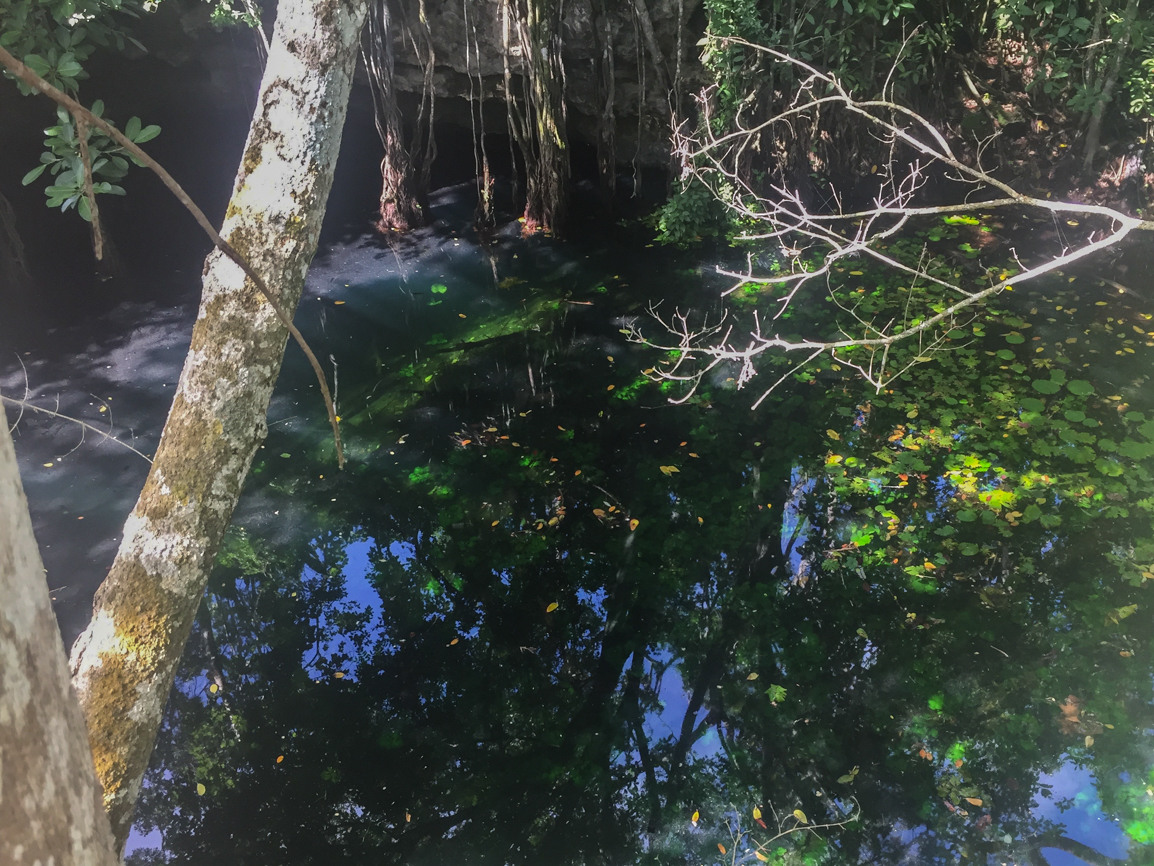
(674, 703)
(1083, 821)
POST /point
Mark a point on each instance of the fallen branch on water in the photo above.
(84, 116)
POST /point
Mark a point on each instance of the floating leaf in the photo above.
(200, 789)
(833, 434)
(668, 470)
(598, 512)
(775, 694)
(1080, 387)
(751, 677)
(552, 607)
(214, 688)
(340, 675)
(696, 815)
(760, 856)
(1045, 386)
(721, 848)
(1120, 613)
(634, 523)
(279, 758)
(974, 801)
(861, 632)
(1089, 741)
(800, 815)
(285, 454)
(756, 814)
(439, 288)
(454, 641)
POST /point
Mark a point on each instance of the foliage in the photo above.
(692, 214)
(63, 160)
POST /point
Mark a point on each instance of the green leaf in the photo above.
(32, 175)
(967, 516)
(147, 134)
(1080, 387)
(968, 548)
(1045, 386)
(84, 210)
(439, 288)
(132, 128)
(1015, 339)
(775, 693)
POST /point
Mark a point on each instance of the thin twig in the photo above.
(79, 111)
(24, 404)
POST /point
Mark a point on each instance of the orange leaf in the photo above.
(634, 523)
(974, 801)
(598, 512)
(465, 442)
(454, 641)
(279, 758)
(720, 847)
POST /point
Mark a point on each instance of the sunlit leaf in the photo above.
(552, 607)
(668, 470)
(200, 789)
(721, 848)
(752, 676)
(756, 813)
(974, 801)
(696, 815)
(634, 523)
(800, 815)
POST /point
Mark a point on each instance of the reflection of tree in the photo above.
(911, 628)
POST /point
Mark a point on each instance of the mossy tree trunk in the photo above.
(50, 810)
(125, 662)
(400, 205)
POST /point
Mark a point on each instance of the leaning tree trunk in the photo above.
(125, 662)
(50, 808)
(400, 200)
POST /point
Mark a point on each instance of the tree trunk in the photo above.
(400, 208)
(1094, 130)
(124, 663)
(50, 808)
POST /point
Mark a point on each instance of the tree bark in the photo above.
(50, 809)
(125, 662)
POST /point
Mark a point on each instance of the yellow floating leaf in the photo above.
(214, 688)
(337, 303)
(696, 815)
(611, 387)
(855, 273)
(200, 789)
(1089, 741)
(668, 470)
(1126, 654)
(760, 856)
(495, 522)
(833, 434)
(552, 607)
(454, 641)
(340, 675)
(598, 512)
(753, 676)
(48, 465)
(800, 815)
(974, 801)
(634, 523)
(578, 472)
(694, 454)
(408, 817)
(1071, 222)
(279, 758)
(700, 520)
(462, 315)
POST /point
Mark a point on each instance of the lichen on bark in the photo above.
(124, 663)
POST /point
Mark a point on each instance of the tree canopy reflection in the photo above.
(560, 618)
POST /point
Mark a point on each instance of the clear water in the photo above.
(546, 617)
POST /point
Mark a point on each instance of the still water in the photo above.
(545, 616)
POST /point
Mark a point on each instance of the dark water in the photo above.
(545, 616)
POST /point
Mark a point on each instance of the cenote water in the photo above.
(544, 616)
